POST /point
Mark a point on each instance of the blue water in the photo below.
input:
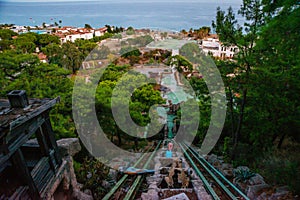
(38, 31)
(176, 15)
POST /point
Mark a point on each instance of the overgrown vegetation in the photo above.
(262, 87)
(92, 173)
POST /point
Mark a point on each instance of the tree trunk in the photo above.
(136, 143)
(281, 140)
(240, 123)
(119, 138)
(112, 137)
(231, 112)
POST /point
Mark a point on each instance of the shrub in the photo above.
(243, 175)
(91, 173)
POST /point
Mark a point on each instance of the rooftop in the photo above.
(11, 117)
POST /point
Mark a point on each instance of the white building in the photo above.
(100, 31)
(212, 45)
(73, 37)
(72, 34)
(19, 29)
(87, 36)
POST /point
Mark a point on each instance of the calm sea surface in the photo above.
(160, 14)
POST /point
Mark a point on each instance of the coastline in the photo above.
(161, 15)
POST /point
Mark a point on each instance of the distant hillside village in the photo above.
(209, 43)
(66, 33)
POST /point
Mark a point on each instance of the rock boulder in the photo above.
(254, 191)
(69, 146)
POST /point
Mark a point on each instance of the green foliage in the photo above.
(200, 88)
(12, 63)
(91, 173)
(130, 31)
(226, 26)
(226, 147)
(109, 28)
(71, 57)
(191, 52)
(87, 26)
(49, 81)
(262, 84)
(101, 52)
(103, 37)
(158, 55)
(181, 63)
(29, 36)
(85, 46)
(281, 167)
(113, 72)
(139, 106)
(26, 42)
(112, 29)
(243, 175)
(54, 53)
(147, 95)
(129, 51)
(151, 61)
(6, 34)
(198, 33)
(6, 38)
(46, 39)
(5, 44)
(140, 41)
(117, 36)
(46, 81)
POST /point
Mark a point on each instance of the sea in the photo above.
(165, 14)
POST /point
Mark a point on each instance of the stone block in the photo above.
(78, 195)
(151, 194)
(69, 146)
(256, 180)
(254, 190)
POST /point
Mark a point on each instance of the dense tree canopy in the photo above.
(263, 83)
(22, 69)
